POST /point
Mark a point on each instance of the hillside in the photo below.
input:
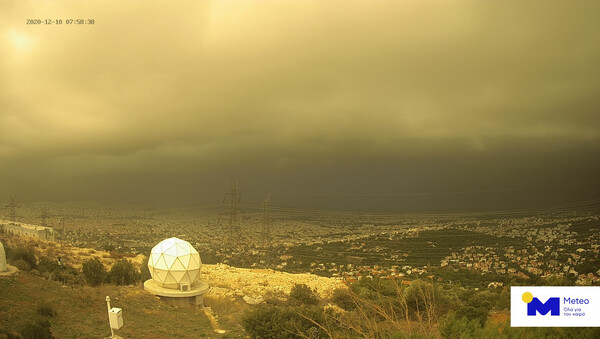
(81, 310)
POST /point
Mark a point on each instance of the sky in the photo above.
(334, 105)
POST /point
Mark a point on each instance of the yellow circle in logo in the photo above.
(527, 297)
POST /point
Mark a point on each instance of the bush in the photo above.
(301, 294)
(145, 271)
(38, 329)
(24, 253)
(68, 275)
(94, 272)
(46, 310)
(123, 272)
(278, 323)
(454, 327)
(473, 313)
(48, 265)
(343, 299)
(22, 265)
(108, 247)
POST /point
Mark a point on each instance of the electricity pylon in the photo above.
(44, 216)
(266, 222)
(232, 198)
(12, 206)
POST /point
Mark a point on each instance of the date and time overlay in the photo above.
(47, 22)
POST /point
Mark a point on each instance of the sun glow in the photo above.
(20, 41)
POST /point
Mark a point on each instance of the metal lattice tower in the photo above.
(266, 222)
(12, 207)
(232, 198)
(44, 215)
(61, 226)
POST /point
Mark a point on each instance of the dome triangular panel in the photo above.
(178, 275)
(182, 249)
(152, 259)
(156, 250)
(169, 259)
(193, 274)
(161, 264)
(194, 262)
(161, 276)
(171, 251)
(178, 266)
(170, 279)
(185, 260)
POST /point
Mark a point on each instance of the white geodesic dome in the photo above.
(174, 262)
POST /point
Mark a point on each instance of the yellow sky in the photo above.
(210, 86)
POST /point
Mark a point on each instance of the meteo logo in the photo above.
(554, 306)
(535, 305)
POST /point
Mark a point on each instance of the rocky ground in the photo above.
(255, 284)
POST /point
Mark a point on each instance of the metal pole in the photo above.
(112, 332)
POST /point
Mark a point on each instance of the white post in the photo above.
(112, 332)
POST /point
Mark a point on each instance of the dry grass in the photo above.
(81, 311)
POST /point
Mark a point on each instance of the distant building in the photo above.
(19, 228)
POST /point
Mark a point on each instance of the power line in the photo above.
(513, 189)
(564, 207)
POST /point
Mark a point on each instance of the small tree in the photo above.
(123, 272)
(94, 272)
(301, 294)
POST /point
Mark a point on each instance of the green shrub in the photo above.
(283, 322)
(68, 275)
(37, 329)
(453, 327)
(48, 265)
(343, 299)
(94, 272)
(23, 253)
(22, 265)
(123, 272)
(301, 294)
(473, 313)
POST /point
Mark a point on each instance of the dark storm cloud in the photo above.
(398, 96)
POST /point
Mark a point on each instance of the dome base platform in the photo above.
(193, 297)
